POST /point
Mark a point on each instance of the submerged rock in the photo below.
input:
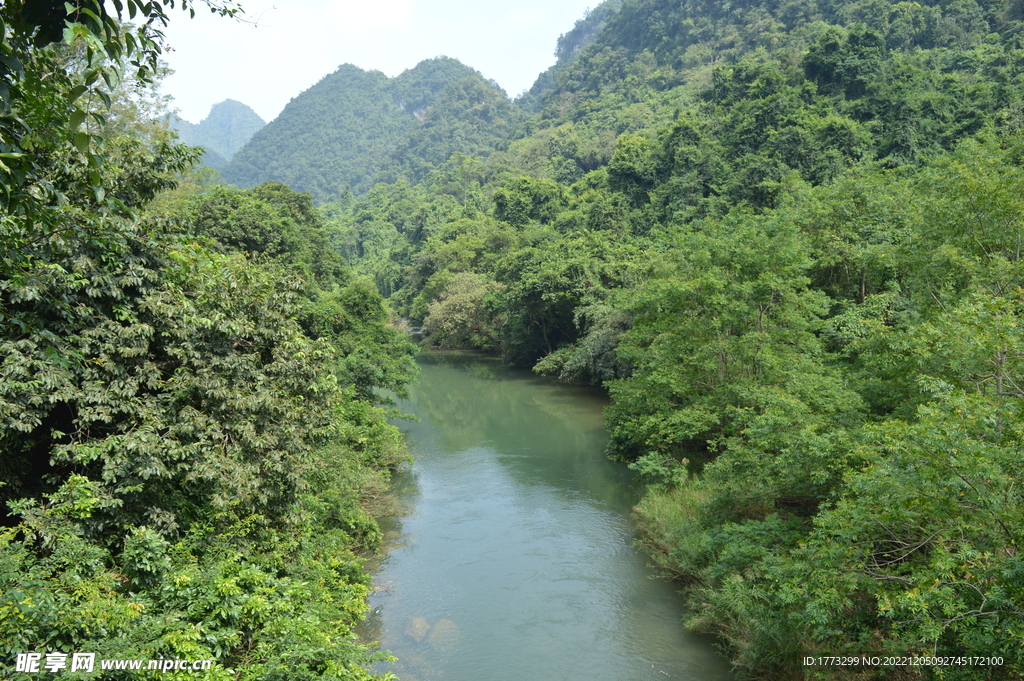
(417, 628)
(443, 634)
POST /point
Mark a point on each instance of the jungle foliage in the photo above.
(786, 237)
(191, 453)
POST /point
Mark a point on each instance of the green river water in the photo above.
(515, 561)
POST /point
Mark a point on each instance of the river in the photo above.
(515, 561)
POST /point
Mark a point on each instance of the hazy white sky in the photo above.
(295, 43)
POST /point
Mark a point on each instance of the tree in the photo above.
(919, 555)
(461, 316)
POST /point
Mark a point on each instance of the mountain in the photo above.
(567, 50)
(470, 117)
(760, 89)
(355, 127)
(223, 132)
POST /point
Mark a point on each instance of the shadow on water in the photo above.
(516, 558)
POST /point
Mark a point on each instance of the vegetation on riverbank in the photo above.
(822, 396)
(787, 239)
(189, 443)
(857, 458)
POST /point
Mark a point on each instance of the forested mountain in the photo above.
(567, 50)
(813, 87)
(785, 238)
(222, 133)
(355, 127)
(470, 117)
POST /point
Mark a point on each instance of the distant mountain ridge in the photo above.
(225, 130)
(356, 127)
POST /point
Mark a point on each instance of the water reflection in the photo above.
(516, 560)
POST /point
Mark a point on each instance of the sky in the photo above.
(288, 46)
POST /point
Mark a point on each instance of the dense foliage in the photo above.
(190, 452)
(786, 237)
